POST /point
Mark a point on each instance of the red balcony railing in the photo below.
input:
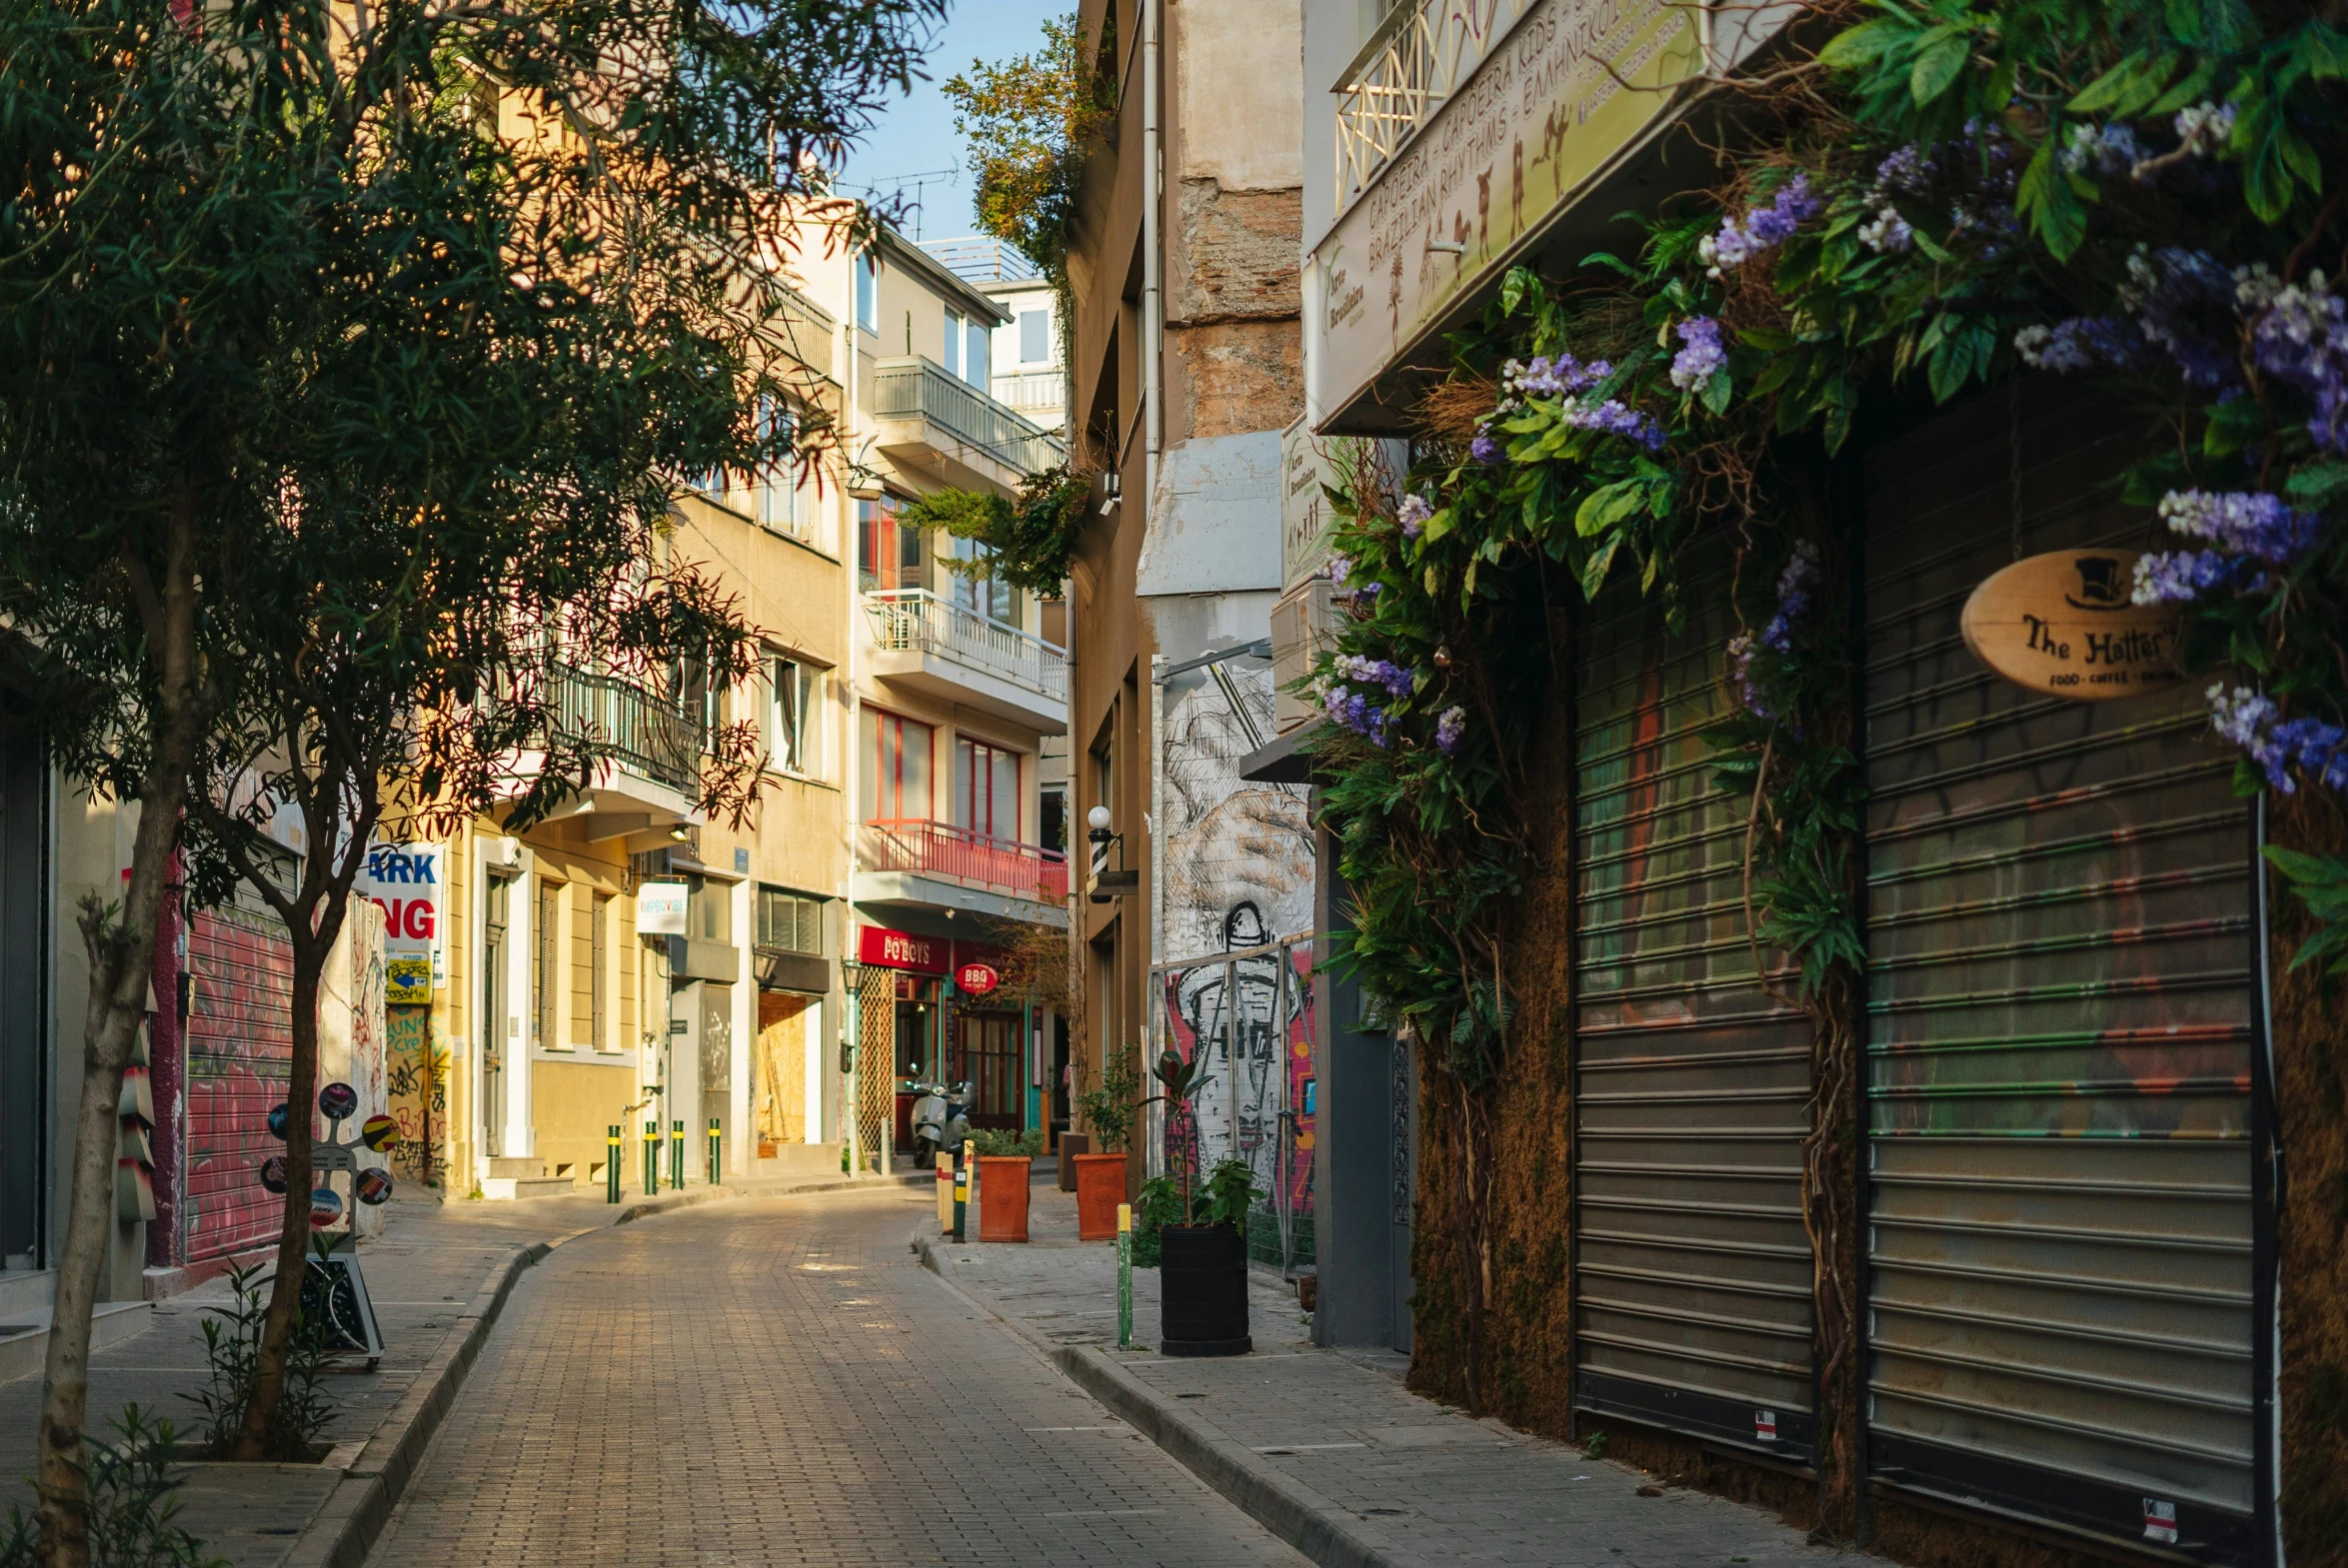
(1025, 871)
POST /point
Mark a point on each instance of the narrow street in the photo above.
(781, 1382)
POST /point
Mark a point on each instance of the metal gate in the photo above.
(240, 1055)
(876, 1065)
(1691, 1278)
(2060, 1229)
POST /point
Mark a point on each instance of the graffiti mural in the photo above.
(239, 1051)
(419, 1085)
(1256, 1033)
(1238, 856)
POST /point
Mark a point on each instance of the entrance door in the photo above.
(494, 1043)
(987, 1053)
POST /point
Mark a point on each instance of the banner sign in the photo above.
(2067, 625)
(660, 909)
(1558, 97)
(406, 881)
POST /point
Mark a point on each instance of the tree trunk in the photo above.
(293, 1237)
(122, 954)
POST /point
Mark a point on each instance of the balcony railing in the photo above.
(1024, 870)
(906, 389)
(1422, 53)
(1033, 391)
(621, 719)
(914, 618)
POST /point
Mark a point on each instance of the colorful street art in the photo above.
(419, 1084)
(1258, 1105)
(240, 1049)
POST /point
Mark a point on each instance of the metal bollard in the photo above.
(652, 1157)
(677, 1156)
(945, 1193)
(715, 1179)
(962, 1188)
(612, 1164)
(1125, 1276)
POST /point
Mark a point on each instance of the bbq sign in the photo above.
(2067, 625)
(976, 980)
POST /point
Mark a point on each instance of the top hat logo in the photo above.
(2099, 584)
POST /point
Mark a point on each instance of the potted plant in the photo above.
(1004, 1159)
(1203, 1262)
(1100, 1177)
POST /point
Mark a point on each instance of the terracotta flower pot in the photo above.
(1002, 1197)
(1101, 1188)
(1203, 1291)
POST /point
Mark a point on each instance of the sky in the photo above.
(914, 135)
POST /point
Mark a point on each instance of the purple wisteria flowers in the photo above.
(1700, 353)
(2080, 343)
(1560, 377)
(1355, 712)
(1617, 419)
(1413, 514)
(2247, 526)
(2299, 333)
(1376, 671)
(1485, 449)
(2252, 721)
(1764, 228)
(1451, 729)
(1797, 592)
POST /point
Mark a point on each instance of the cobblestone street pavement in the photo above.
(782, 1383)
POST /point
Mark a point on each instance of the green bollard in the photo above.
(612, 1165)
(1125, 1276)
(962, 1187)
(652, 1157)
(677, 1156)
(715, 1179)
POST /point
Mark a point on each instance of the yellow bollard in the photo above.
(945, 1193)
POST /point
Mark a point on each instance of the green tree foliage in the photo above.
(1028, 123)
(1029, 541)
(348, 360)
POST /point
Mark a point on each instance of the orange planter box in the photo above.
(1101, 1188)
(1002, 1197)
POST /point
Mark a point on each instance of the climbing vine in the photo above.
(1945, 196)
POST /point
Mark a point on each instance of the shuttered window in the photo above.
(2060, 1229)
(1692, 1267)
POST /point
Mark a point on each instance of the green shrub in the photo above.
(131, 1507)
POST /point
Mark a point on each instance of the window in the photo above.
(986, 596)
(584, 1002)
(1051, 831)
(953, 343)
(791, 921)
(974, 355)
(887, 556)
(896, 767)
(868, 292)
(795, 717)
(545, 974)
(1035, 337)
(987, 790)
(600, 973)
(776, 504)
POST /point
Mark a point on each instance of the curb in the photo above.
(347, 1525)
(1320, 1529)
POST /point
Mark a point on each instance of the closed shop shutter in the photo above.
(2060, 1036)
(240, 1054)
(1692, 1267)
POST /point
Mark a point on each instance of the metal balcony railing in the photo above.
(619, 718)
(910, 389)
(914, 844)
(914, 618)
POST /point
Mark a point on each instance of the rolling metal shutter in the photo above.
(240, 1057)
(2059, 1227)
(1691, 1278)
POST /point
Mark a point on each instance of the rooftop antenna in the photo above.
(898, 183)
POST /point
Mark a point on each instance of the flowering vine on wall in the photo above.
(1951, 194)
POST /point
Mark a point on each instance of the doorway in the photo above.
(493, 1024)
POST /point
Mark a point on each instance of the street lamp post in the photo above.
(851, 1032)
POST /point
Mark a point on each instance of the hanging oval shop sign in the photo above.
(977, 978)
(2065, 623)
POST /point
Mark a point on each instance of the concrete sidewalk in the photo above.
(1329, 1449)
(438, 1277)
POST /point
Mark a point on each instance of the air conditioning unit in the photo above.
(1304, 626)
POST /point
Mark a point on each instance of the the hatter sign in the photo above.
(2066, 623)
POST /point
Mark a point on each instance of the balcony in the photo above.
(1038, 395)
(936, 647)
(942, 426)
(648, 772)
(919, 862)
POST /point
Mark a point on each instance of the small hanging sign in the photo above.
(2065, 623)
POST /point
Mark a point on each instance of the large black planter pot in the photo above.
(1202, 1281)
